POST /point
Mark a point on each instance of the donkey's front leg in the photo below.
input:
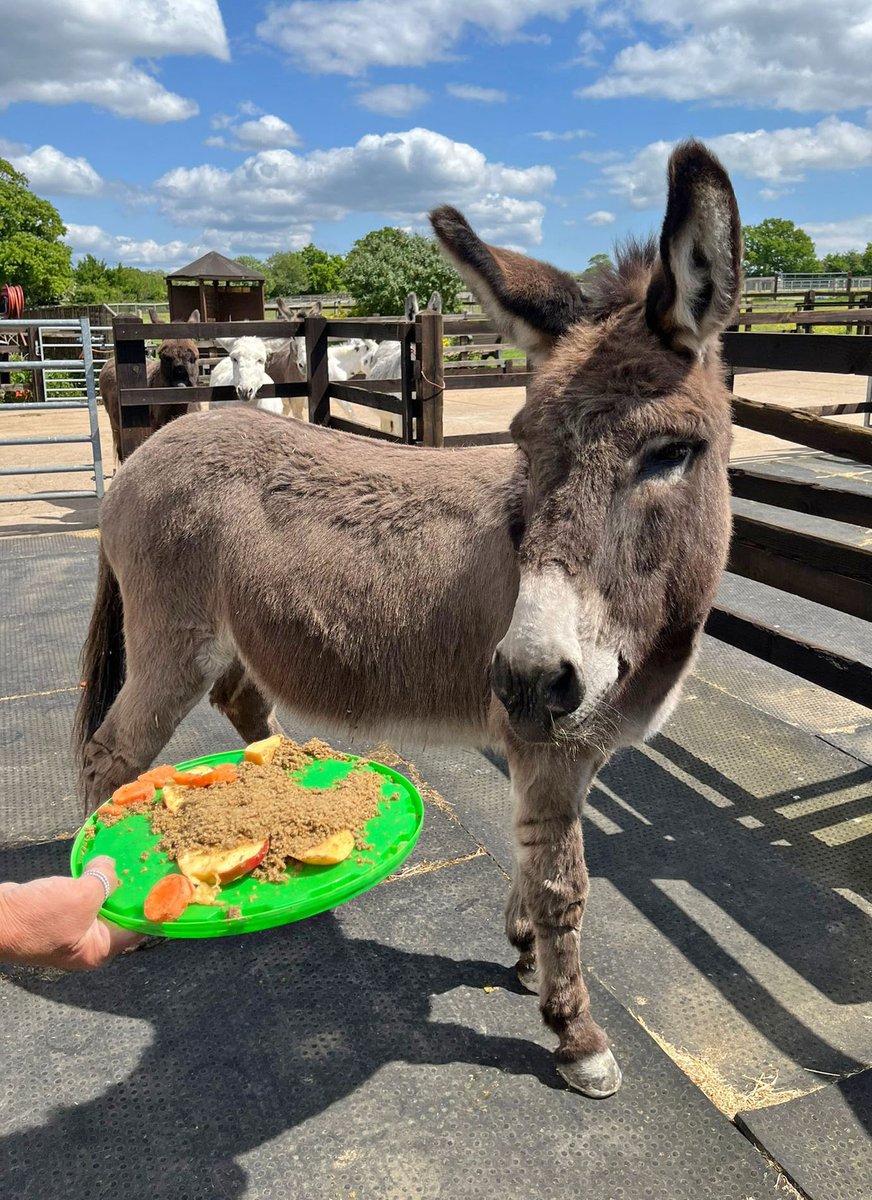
(550, 892)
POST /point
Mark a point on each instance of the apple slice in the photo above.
(263, 752)
(174, 796)
(331, 851)
(222, 866)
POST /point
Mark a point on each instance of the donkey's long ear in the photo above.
(434, 304)
(412, 307)
(532, 302)
(283, 310)
(154, 316)
(694, 295)
(194, 318)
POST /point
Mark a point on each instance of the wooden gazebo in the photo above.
(222, 290)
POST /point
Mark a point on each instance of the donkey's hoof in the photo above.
(528, 977)
(597, 1075)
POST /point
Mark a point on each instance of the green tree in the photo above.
(594, 264)
(850, 262)
(31, 251)
(286, 274)
(777, 245)
(253, 264)
(383, 267)
(326, 271)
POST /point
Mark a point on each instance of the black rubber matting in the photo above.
(382, 1051)
(821, 1142)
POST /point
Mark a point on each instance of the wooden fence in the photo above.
(828, 572)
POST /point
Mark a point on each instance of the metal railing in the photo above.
(84, 366)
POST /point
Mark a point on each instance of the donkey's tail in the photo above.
(103, 661)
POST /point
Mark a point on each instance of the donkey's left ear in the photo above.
(532, 302)
(194, 318)
(695, 294)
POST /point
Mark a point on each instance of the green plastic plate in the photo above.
(306, 890)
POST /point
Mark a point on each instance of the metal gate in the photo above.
(77, 385)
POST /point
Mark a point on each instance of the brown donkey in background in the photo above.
(547, 599)
(177, 365)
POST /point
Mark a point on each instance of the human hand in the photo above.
(53, 922)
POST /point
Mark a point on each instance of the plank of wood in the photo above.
(820, 569)
(131, 328)
(817, 316)
(849, 441)
(368, 397)
(363, 430)
(487, 379)
(845, 676)
(319, 370)
(837, 353)
(501, 438)
(429, 376)
(132, 373)
(836, 504)
(203, 394)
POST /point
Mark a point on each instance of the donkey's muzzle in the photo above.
(538, 697)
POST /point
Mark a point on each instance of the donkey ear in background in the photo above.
(694, 295)
(314, 310)
(411, 307)
(226, 343)
(194, 318)
(154, 316)
(532, 302)
(434, 304)
(275, 345)
(283, 310)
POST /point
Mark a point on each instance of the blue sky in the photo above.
(165, 128)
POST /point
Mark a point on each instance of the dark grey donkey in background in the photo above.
(546, 599)
(177, 365)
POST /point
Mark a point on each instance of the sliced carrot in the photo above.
(133, 793)
(206, 776)
(110, 810)
(195, 777)
(158, 776)
(168, 899)
(225, 773)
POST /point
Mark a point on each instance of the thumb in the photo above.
(92, 885)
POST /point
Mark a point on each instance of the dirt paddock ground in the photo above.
(480, 411)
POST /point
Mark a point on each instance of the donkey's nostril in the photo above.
(562, 690)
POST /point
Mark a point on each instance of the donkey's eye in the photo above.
(666, 461)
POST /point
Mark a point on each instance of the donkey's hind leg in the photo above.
(162, 686)
(238, 697)
(552, 886)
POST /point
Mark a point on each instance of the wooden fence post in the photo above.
(430, 376)
(810, 299)
(130, 372)
(319, 370)
(407, 385)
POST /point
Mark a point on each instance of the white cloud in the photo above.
(398, 175)
(744, 52)
(597, 156)
(832, 237)
(394, 99)
(469, 91)
(92, 239)
(600, 217)
(60, 52)
(50, 171)
(777, 156)
(566, 135)
(346, 37)
(153, 255)
(267, 132)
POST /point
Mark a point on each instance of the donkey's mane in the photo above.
(611, 287)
